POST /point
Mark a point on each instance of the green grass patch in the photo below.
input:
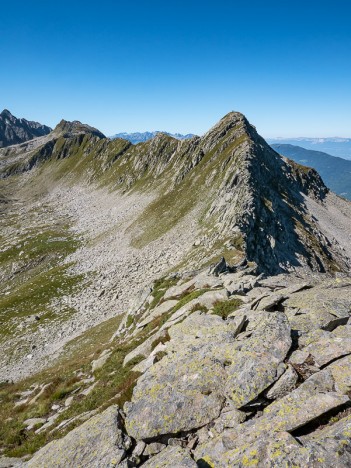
(225, 308)
(160, 287)
(199, 307)
(115, 384)
(187, 297)
(35, 295)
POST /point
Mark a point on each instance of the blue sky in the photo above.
(179, 66)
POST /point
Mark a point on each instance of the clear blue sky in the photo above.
(179, 66)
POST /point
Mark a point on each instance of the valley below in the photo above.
(104, 274)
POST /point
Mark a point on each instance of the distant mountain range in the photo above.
(335, 146)
(14, 130)
(139, 137)
(336, 172)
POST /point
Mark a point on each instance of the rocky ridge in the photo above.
(216, 355)
(248, 195)
(14, 131)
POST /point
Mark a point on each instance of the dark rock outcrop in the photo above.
(14, 130)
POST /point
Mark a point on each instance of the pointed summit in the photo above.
(6, 113)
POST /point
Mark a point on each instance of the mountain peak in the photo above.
(14, 130)
(6, 113)
(76, 127)
(232, 120)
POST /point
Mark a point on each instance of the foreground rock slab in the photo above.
(206, 366)
(98, 442)
(172, 457)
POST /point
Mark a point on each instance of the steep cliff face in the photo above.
(14, 130)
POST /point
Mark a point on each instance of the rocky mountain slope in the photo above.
(14, 130)
(119, 310)
(140, 137)
(336, 172)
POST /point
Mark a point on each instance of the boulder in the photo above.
(218, 268)
(98, 442)
(327, 349)
(172, 457)
(101, 360)
(8, 462)
(264, 441)
(325, 306)
(285, 384)
(176, 291)
(341, 372)
(31, 423)
(331, 445)
(270, 302)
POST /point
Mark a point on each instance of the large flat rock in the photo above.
(325, 306)
(264, 441)
(171, 457)
(205, 366)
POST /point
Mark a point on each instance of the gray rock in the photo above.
(172, 457)
(285, 384)
(341, 372)
(31, 423)
(228, 419)
(332, 444)
(175, 395)
(311, 399)
(98, 442)
(145, 364)
(204, 366)
(145, 348)
(264, 441)
(323, 306)
(69, 401)
(270, 302)
(101, 360)
(209, 298)
(204, 281)
(278, 450)
(220, 267)
(177, 290)
(241, 282)
(153, 448)
(8, 462)
(139, 448)
(327, 349)
(259, 362)
(298, 357)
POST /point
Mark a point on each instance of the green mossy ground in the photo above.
(114, 385)
(33, 270)
(225, 308)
